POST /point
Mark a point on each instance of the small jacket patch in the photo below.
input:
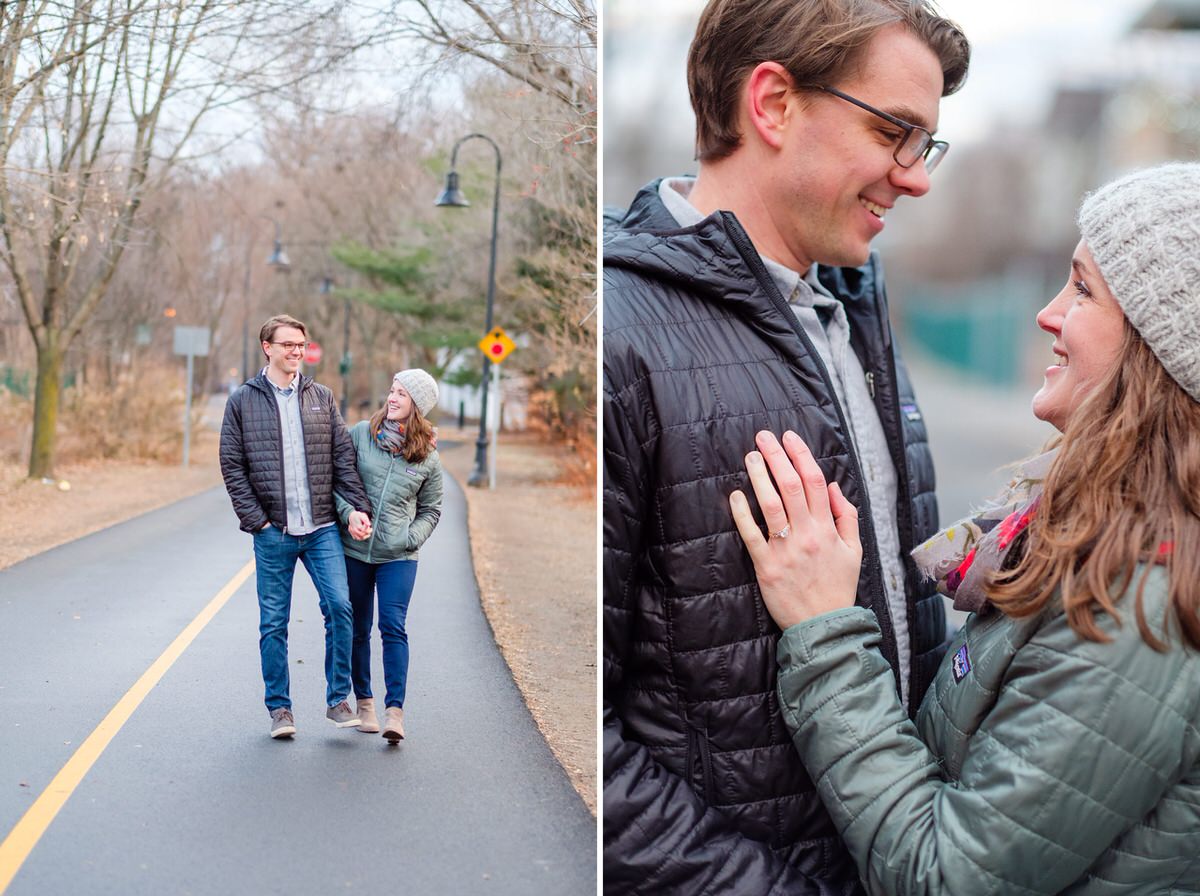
(910, 412)
(962, 664)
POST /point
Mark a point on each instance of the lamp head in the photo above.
(279, 260)
(452, 195)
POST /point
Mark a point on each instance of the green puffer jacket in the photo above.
(407, 498)
(1039, 762)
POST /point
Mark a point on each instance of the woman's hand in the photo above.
(359, 525)
(808, 565)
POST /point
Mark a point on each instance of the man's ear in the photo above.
(769, 101)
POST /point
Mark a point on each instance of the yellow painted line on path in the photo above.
(28, 831)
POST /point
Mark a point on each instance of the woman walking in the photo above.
(399, 466)
(1058, 749)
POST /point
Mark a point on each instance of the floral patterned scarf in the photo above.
(960, 557)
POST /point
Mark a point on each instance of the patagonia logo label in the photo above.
(410, 471)
(962, 664)
(910, 412)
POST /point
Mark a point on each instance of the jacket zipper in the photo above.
(866, 522)
(379, 505)
(904, 510)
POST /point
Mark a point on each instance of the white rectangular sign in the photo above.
(192, 341)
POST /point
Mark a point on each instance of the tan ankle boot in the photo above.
(367, 720)
(393, 723)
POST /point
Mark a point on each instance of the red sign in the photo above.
(312, 355)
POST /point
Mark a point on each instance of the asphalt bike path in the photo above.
(191, 795)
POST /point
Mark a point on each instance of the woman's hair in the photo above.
(418, 433)
(1124, 489)
(817, 41)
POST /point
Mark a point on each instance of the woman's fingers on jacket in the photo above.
(746, 526)
(845, 517)
(774, 513)
(815, 488)
(791, 486)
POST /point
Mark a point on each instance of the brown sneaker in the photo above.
(368, 722)
(393, 724)
(341, 715)
(282, 723)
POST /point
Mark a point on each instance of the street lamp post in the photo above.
(344, 364)
(279, 261)
(453, 196)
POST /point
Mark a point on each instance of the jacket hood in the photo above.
(712, 258)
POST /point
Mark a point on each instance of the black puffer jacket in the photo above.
(252, 455)
(703, 792)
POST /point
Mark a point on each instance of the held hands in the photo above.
(359, 525)
(809, 563)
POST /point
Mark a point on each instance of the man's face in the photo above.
(285, 351)
(835, 175)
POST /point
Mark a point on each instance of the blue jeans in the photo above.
(394, 583)
(275, 555)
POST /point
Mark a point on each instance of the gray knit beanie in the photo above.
(1144, 232)
(421, 388)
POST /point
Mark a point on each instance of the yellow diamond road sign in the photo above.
(496, 345)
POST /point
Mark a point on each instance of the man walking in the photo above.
(746, 299)
(284, 452)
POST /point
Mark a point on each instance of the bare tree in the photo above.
(547, 45)
(99, 101)
(547, 49)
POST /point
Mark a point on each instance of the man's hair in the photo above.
(1122, 491)
(267, 333)
(817, 41)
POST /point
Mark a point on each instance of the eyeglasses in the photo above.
(916, 144)
(290, 347)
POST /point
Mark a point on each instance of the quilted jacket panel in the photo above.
(702, 789)
(252, 454)
(1051, 765)
(407, 497)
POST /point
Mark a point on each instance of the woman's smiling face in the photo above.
(1088, 327)
(399, 404)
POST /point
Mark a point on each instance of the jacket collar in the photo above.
(261, 382)
(711, 256)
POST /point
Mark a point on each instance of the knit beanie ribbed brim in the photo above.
(1143, 230)
(421, 388)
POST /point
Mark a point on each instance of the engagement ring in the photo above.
(782, 533)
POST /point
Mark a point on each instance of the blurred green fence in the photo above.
(19, 382)
(981, 329)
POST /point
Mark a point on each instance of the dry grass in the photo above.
(16, 428)
(574, 434)
(139, 418)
